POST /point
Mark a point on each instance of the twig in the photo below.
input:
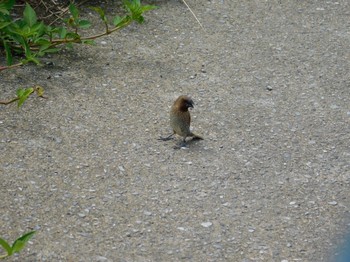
(9, 101)
(193, 14)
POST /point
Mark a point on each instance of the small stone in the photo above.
(269, 88)
(181, 228)
(37, 227)
(206, 224)
(103, 42)
(334, 106)
(333, 203)
(147, 213)
(101, 259)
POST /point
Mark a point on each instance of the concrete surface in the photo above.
(270, 182)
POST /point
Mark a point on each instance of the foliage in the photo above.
(31, 39)
(17, 246)
(23, 94)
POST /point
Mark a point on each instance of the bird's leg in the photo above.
(166, 138)
(183, 143)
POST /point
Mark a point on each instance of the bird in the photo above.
(180, 119)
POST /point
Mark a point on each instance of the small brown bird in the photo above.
(180, 119)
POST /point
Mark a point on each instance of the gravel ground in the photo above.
(270, 182)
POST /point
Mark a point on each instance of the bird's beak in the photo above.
(191, 104)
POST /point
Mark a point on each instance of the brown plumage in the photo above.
(180, 119)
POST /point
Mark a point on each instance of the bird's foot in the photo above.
(166, 138)
(182, 145)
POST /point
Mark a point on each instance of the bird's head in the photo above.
(184, 102)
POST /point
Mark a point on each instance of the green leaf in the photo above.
(38, 29)
(25, 46)
(84, 24)
(52, 50)
(146, 8)
(15, 37)
(31, 58)
(74, 11)
(100, 11)
(22, 94)
(6, 246)
(9, 60)
(140, 19)
(136, 10)
(89, 42)
(6, 6)
(72, 36)
(44, 49)
(20, 242)
(42, 41)
(29, 15)
(118, 20)
(4, 24)
(62, 32)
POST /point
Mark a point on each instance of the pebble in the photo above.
(333, 203)
(206, 224)
(334, 106)
(100, 258)
(82, 215)
(147, 213)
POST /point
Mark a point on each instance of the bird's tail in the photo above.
(197, 137)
